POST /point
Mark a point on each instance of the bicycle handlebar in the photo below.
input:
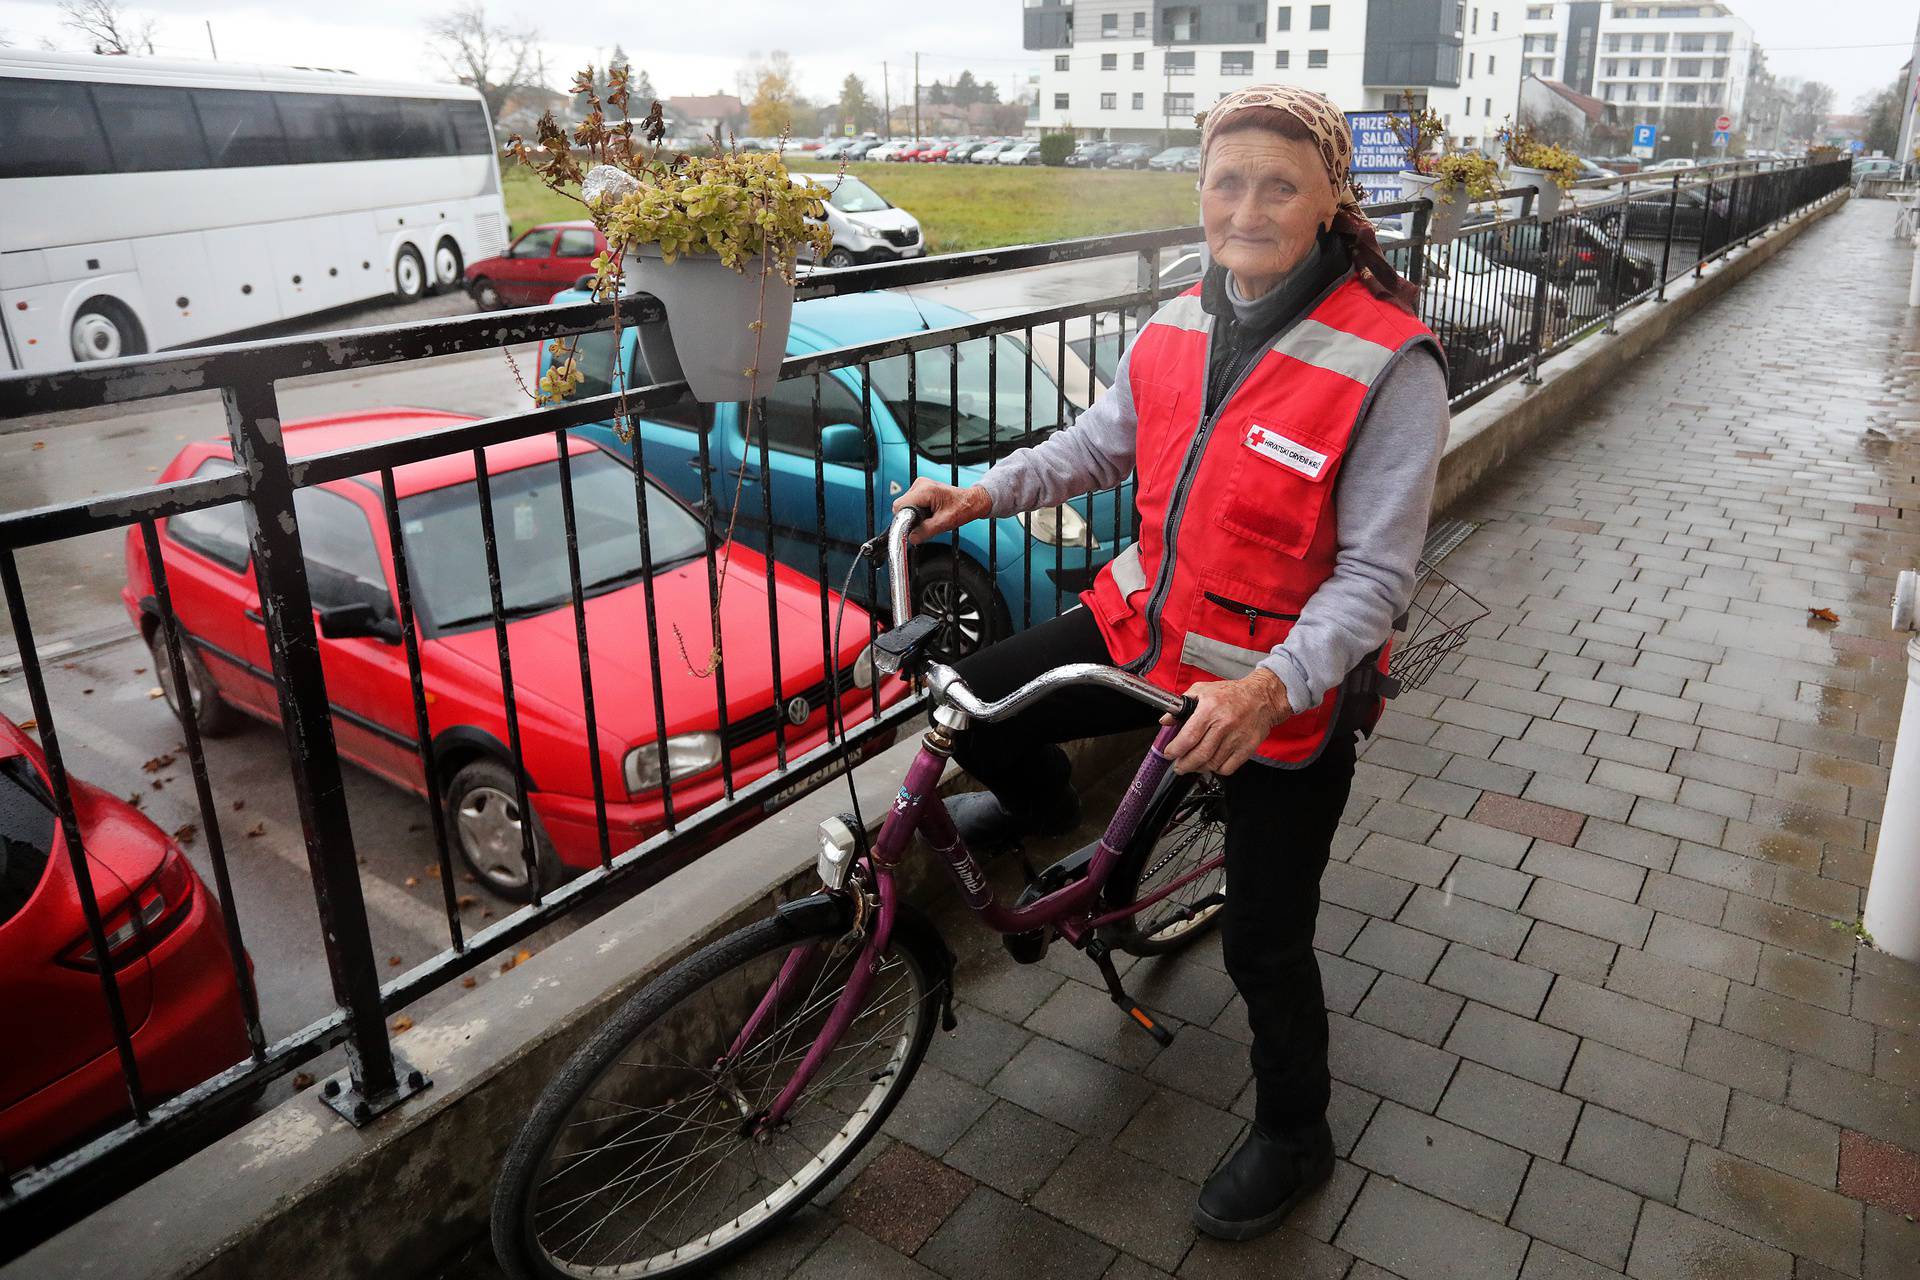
(947, 686)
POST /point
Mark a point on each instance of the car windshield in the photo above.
(26, 833)
(447, 557)
(855, 196)
(1102, 351)
(1463, 258)
(988, 421)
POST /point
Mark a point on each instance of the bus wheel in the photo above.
(446, 266)
(105, 330)
(409, 275)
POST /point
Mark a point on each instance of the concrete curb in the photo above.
(1485, 436)
(300, 1193)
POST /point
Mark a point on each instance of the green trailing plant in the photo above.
(1527, 151)
(1478, 176)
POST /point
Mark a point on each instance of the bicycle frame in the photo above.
(918, 809)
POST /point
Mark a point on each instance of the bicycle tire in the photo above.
(1185, 824)
(921, 957)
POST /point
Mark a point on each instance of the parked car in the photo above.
(1578, 256)
(989, 152)
(865, 227)
(1666, 166)
(1648, 216)
(1875, 167)
(1131, 155)
(1588, 169)
(1473, 337)
(1461, 282)
(1176, 160)
(60, 1081)
(862, 149)
(343, 529)
(551, 256)
(1020, 153)
(1088, 155)
(833, 150)
(934, 153)
(961, 152)
(1004, 572)
(888, 150)
(1621, 165)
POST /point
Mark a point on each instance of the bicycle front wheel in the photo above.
(1184, 830)
(646, 1155)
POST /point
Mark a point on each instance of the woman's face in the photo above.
(1264, 199)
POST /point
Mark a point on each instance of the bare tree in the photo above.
(493, 59)
(107, 27)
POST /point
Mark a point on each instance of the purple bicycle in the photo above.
(723, 1096)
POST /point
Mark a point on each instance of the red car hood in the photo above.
(546, 663)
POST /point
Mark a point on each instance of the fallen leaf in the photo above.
(434, 872)
(518, 958)
(303, 1080)
(29, 723)
(159, 783)
(469, 981)
(86, 691)
(238, 805)
(486, 913)
(135, 799)
(393, 960)
(185, 833)
(411, 882)
(156, 692)
(402, 1023)
(157, 763)
(257, 830)
(139, 671)
(39, 444)
(468, 876)
(464, 900)
(1823, 615)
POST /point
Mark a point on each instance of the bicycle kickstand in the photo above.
(1098, 952)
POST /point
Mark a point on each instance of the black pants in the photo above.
(1280, 826)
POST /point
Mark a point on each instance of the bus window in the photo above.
(316, 131)
(150, 128)
(471, 137)
(425, 129)
(50, 129)
(242, 127)
(376, 128)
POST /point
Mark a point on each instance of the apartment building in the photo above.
(1133, 70)
(1643, 58)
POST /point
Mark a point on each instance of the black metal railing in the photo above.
(940, 400)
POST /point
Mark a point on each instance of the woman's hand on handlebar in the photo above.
(951, 507)
(1230, 719)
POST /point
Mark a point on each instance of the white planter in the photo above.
(708, 338)
(1449, 203)
(1547, 193)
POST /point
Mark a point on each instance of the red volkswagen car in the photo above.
(538, 265)
(60, 1079)
(344, 534)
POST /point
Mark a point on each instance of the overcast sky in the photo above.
(1854, 45)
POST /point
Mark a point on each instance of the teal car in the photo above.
(945, 421)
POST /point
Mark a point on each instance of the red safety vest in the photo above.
(1237, 523)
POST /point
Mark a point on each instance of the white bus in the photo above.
(147, 203)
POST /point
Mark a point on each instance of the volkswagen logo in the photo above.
(797, 711)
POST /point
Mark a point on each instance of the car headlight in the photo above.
(863, 669)
(839, 847)
(687, 753)
(1060, 526)
(1522, 299)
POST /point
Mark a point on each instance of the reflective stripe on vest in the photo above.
(1237, 516)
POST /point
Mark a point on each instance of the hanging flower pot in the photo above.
(726, 331)
(1449, 202)
(1546, 189)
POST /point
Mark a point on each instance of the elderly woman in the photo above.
(1285, 421)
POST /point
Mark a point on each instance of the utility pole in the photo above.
(1913, 101)
(1166, 99)
(886, 102)
(916, 95)
(210, 49)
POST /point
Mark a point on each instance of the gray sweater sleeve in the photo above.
(1382, 498)
(1096, 452)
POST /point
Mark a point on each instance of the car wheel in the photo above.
(447, 266)
(486, 295)
(105, 330)
(483, 806)
(839, 258)
(213, 715)
(957, 592)
(409, 275)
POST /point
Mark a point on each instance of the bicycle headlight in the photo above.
(1060, 526)
(839, 847)
(687, 754)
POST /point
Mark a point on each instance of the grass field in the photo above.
(964, 206)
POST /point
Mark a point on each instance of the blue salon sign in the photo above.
(1378, 153)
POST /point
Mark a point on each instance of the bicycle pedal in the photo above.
(1152, 1028)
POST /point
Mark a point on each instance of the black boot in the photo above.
(1262, 1182)
(987, 826)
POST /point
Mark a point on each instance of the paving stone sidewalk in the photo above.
(1598, 1006)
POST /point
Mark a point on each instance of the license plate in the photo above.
(806, 782)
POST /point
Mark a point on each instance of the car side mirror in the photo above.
(844, 442)
(584, 283)
(359, 619)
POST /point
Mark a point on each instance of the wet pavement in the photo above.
(1589, 937)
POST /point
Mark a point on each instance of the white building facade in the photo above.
(1644, 59)
(1135, 70)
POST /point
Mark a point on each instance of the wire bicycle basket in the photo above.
(1434, 625)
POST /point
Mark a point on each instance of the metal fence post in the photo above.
(1539, 309)
(1666, 252)
(1706, 220)
(1417, 251)
(1148, 279)
(1613, 288)
(253, 422)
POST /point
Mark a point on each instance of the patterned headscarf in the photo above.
(1316, 113)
